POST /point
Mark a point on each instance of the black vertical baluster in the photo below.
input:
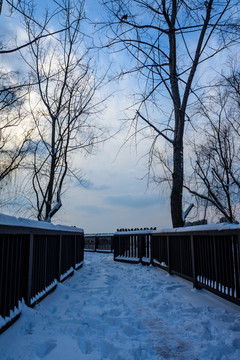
(11, 271)
(222, 264)
(194, 274)
(215, 262)
(181, 253)
(41, 262)
(211, 261)
(133, 250)
(169, 254)
(59, 257)
(199, 257)
(46, 274)
(225, 264)
(75, 251)
(136, 246)
(204, 259)
(219, 261)
(2, 248)
(30, 270)
(237, 265)
(151, 249)
(19, 269)
(6, 311)
(14, 273)
(232, 267)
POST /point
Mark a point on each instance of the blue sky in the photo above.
(116, 195)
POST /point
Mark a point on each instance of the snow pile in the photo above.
(7, 220)
(43, 292)
(117, 311)
(13, 314)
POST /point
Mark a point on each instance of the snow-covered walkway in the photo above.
(111, 310)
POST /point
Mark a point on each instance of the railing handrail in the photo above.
(23, 225)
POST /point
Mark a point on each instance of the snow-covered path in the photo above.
(111, 310)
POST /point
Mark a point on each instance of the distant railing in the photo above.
(98, 242)
(33, 258)
(208, 258)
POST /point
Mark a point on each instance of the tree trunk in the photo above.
(177, 186)
(177, 181)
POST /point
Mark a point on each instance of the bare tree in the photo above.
(216, 177)
(24, 9)
(62, 104)
(167, 41)
(14, 128)
(14, 136)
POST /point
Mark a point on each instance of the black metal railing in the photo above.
(208, 258)
(98, 242)
(32, 261)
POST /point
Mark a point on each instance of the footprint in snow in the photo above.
(234, 327)
(27, 328)
(65, 296)
(52, 309)
(173, 287)
(236, 343)
(86, 346)
(45, 348)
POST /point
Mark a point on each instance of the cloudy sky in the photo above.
(116, 194)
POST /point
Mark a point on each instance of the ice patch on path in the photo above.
(116, 311)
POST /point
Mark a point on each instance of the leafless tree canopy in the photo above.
(216, 160)
(167, 41)
(13, 135)
(62, 103)
(24, 9)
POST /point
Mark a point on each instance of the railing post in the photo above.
(140, 246)
(30, 270)
(168, 255)
(45, 260)
(75, 252)
(236, 255)
(96, 243)
(60, 258)
(151, 248)
(195, 285)
(112, 244)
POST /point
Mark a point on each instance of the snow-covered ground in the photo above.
(112, 310)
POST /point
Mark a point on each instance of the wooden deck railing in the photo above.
(208, 258)
(98, 242)
(33, 258)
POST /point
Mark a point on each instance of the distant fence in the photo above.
(98, 242)
(208, 258)
(32, 261)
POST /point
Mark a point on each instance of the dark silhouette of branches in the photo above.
(167, 41)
